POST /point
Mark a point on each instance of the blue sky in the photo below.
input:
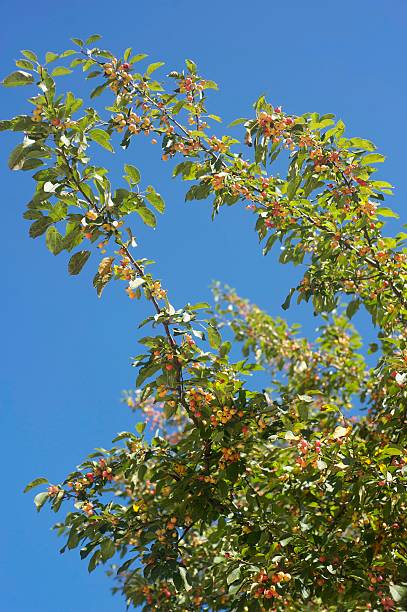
(65, 354)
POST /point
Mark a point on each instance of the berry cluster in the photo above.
(276, 127)
(118, 75)
(198, 399)
(133, 122)
(224, 414)
(157, 291)
(229, 455)
(37, 113)
(264, 586)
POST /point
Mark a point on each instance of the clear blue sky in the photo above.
(65, 354)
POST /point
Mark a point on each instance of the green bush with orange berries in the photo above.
(246, 499)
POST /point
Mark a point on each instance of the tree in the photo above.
(244, 499)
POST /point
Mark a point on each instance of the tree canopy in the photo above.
(228, 497)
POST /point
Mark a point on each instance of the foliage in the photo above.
(243, 499)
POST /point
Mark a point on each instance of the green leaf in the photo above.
(152, 67)
(93, 74)
(77, 262)
(92, 39)
(372, 158)
(67, 53)
(198, 192)
(214, 337)
(133, 173)
(225, 348)
(387, 212)
(187, 169)
(392, 449)
(183, 574)
(270, 241)
(76, 62)
(101, 137)
(86, 550)
(210, 84)
(398, 592)
(58, 212)
(57, 501)
(14, 160)
(147, 215)
(352, 308)
(30, 55)
(50, 56)
(54, 240)
(35, 483)
(336, 131)
(72, 104)
(73, 236)
(40, 499)
(237, 122)
(39, 227)
(30, 164)
(382, 186)
(24, 156)
(191, 66)
(234, 575)
(73, 539)
(124, 435)
(286, 304)
(61, 71)
(98, 90)
(94, 561)
(107, 549)
(125, 565)
(146, 372)
(20, 77)
(25, 64)
(137, 58)
(362, 143)
(140, 427)
(198, 306)
(293, 186)
(155, 199)
(233, 590)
